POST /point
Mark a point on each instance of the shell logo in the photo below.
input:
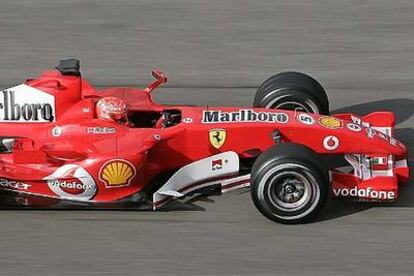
(330, 122)
(117, 173)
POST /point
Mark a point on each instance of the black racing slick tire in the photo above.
(289, 184)
(292, 91)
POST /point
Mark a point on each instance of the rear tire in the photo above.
(292, 91)
(289, 184)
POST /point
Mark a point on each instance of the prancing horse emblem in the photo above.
(217, 137)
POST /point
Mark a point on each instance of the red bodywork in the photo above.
(65, 157)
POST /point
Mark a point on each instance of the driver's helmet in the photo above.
(113, 109)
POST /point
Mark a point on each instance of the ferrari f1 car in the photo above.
(63, 139)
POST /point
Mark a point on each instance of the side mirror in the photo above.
(160, 76)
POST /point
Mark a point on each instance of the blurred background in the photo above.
(213, 44)
(217, 52)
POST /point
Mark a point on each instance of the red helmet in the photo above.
(112, 108)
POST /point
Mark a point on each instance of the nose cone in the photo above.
(349, 137)
(374, 141)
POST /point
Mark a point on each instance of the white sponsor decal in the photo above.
(101, 130)
(22, 201)
(306, 119)
(71, 185)
(243, 116)
(380, 160)
(393, 141)
(365, 193)
(57, 131)
(72, 182)
(383, 136)
(354, 127)
(371, 132)
(26, 104)
(13, 185)
(358, 121)
(217, 164)
(331, 142)
(187, 120)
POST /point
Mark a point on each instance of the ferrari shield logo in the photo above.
(217, 137)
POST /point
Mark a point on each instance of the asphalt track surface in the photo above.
(217, 52)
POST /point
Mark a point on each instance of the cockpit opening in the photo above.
(150, 119)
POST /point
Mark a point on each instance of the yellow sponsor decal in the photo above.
(117, 173)
(330, 122)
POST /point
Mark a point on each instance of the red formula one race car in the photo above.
(63, 139)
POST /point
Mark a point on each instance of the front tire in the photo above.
(289, 184)
(292, 91)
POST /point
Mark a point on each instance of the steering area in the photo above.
(168, 118)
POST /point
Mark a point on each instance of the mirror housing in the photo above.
(160, 78)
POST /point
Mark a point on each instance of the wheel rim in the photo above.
(307, 106)
(294, 106)
(288, 173)
(290, 192)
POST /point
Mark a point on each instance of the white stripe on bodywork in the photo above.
(198, 171)
(228, 185)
